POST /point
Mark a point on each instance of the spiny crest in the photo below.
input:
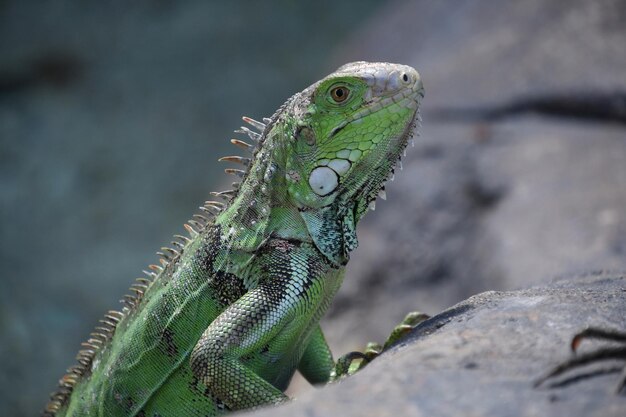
(167, 256)
(257, 138)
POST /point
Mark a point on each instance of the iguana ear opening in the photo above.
(333, 232)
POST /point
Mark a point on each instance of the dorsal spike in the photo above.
(111, 325)
(241, 144)
(163, 256)
(252, 135)
(89, 346)
(257, 125)
(103, 330)
(170, 251)
(197, 225)
(178, 244)
(116, 313)
(92, 344)
(267, 120)
(82, 356)
(138, 292)
(217, 204)
(130, 299)
(191, 230)
(236, 172)
(74, 369)
(156, 268)
(210, 210)
(235, 159)
(67, 381)
(65, 391)
(96, 335)
(235, 185)
(200, 218)
(185, 239)
(112, 318)
(139, 283)
(70, 376)
(224, 195)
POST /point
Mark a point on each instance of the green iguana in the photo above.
(233, 311)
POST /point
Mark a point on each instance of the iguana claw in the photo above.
(343, 366)
(409, 323)
(352, 362)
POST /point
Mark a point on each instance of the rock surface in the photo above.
(481, 357)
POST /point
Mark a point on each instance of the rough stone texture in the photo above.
(481, 357)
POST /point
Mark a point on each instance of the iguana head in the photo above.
(327, 153)
(349, 131)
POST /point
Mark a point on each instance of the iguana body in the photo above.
(234, 310)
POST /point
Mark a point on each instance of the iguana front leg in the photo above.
(248, 354)
(243, 328)
(317, 362)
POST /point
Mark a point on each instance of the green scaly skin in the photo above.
(234, 310)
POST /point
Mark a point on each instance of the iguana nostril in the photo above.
(405, 77)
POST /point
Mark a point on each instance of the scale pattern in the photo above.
(232, 311)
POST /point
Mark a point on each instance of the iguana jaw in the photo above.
(364, 199)
(352, 153)
(370, 175)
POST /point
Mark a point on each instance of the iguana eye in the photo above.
(339, 94)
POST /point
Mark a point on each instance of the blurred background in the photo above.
(113, 114)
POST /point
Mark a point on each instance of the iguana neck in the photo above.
(261, 207)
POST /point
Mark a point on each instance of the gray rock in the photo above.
(482, 356)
